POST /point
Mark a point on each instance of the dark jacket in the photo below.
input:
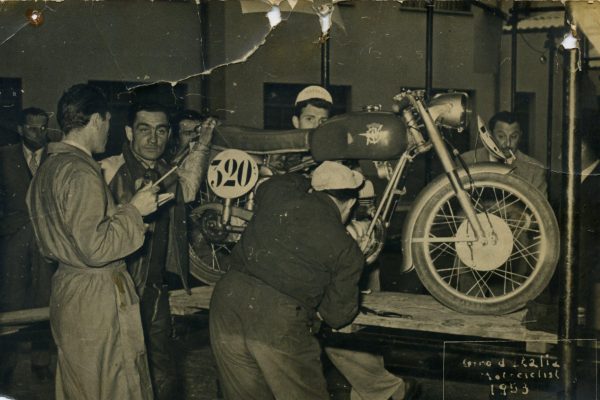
(121, 173)
(14, 182)
(297, 244)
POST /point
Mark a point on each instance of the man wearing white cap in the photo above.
(312, 107)
(294, 260)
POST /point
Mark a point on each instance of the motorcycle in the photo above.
(482, 240)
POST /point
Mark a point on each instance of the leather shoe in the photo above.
(412, 389)
(42, 373)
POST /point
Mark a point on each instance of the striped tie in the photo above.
(33, 163)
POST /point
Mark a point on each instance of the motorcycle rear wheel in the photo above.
(494, 278)
(208, 243)
(205, 255)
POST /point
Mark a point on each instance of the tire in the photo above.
(497, 278)
(208, 246)
(206, 256)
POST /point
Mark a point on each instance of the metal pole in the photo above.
(429, 50)
(325, 62)
(204, 79)
(571, 157)
(513, 58)
(429, 76)
(551, 46)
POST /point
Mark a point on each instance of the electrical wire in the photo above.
(531, 46)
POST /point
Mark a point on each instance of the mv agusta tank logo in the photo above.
(374, 133)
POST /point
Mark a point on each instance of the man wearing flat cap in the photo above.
(294, 261)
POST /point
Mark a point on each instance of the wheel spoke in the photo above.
(523, 253)
(444, 248)
(522, 229)
(505, 206)
(478, 279)
(448, 219)
(513, 274)
(455, 274)
(452, 217)
(523, 224)
(476, 205)
(500, 208)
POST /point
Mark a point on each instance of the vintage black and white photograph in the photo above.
(299, 199)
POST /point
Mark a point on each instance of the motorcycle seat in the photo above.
(260, 141)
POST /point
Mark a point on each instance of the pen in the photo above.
(162, 178)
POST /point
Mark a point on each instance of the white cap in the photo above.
(313, 92)
(332, 176)
(367, 191)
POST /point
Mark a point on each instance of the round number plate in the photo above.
(232, 173)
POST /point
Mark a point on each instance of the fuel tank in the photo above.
(367, 135)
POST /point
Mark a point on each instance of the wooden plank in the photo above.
(184, 304)
(181, 304)
(26, 316)
(422, 313)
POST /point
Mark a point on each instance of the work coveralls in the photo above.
(94, 310)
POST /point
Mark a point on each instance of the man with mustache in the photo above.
(163, 258)
(24, 274)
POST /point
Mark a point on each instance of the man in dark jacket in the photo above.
(295, 260)
(24, 274)
(164, 255)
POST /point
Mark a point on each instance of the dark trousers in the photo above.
(156, 320)
(263, 343)
(25, 282)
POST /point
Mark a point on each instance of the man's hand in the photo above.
(145, 200)
(205, 131)
(358, 231)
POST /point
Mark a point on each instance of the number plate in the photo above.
(232, 173)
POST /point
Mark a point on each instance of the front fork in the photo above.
(461, 194)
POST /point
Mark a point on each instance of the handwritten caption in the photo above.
(514, 375)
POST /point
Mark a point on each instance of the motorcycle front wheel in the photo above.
(495, 277)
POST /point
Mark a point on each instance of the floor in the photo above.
(199, 377)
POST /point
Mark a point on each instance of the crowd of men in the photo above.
(115, 241)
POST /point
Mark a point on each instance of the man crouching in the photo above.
(294, 261)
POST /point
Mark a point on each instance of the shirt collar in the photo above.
(28, 153)
(75, 144)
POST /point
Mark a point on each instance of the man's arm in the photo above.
(99, 237)
(193, 171)
(340, 301)
(539, 181)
